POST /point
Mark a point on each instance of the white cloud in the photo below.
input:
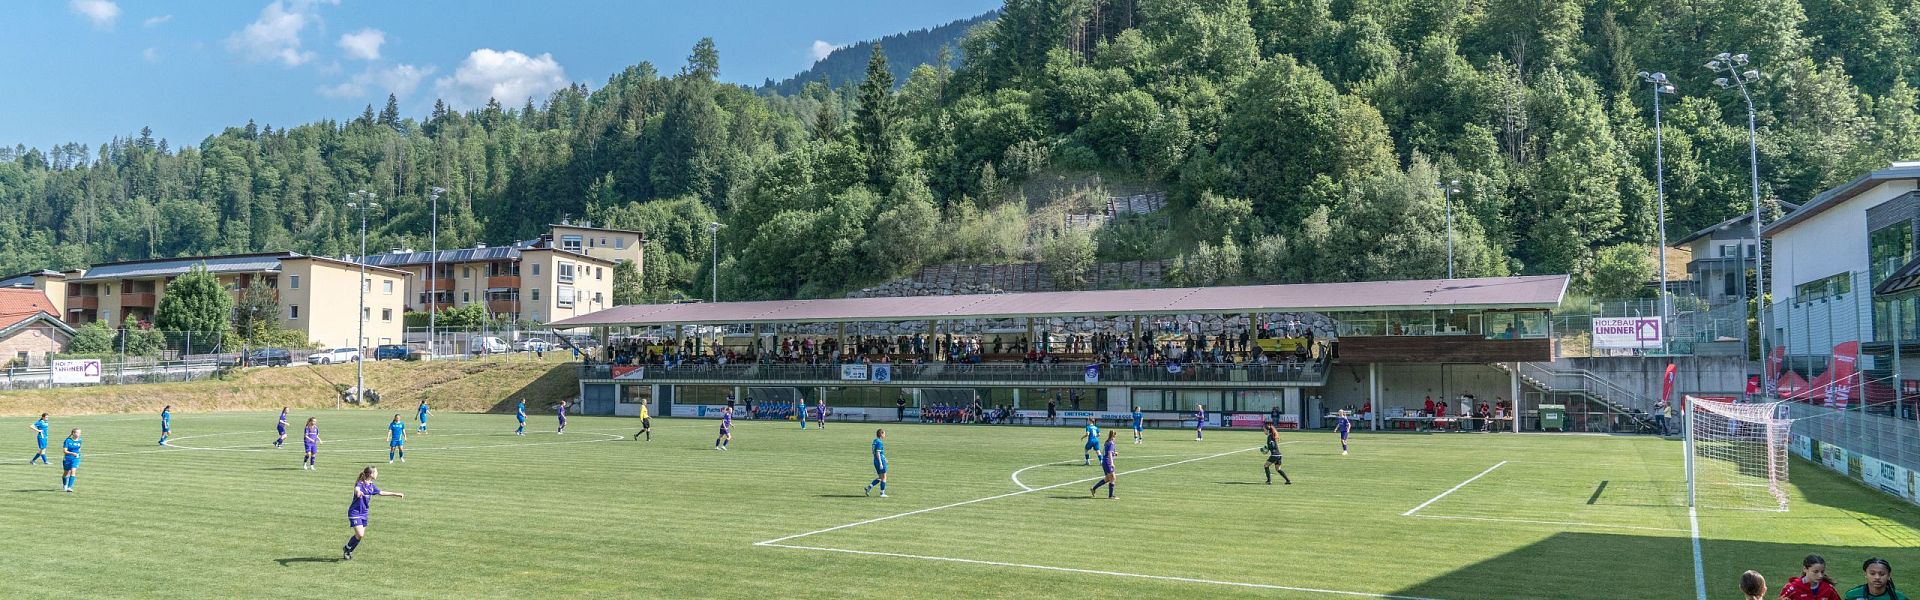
(820, 50)
(156, 21)
(363, 44)
(151, 54)
(399, 80)
(509, 76)
(275, 35)
(101, 12)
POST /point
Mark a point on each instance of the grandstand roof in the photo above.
(1539, 291)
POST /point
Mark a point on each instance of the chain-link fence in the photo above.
(461, 343)
(132, 371)
(1694, 325)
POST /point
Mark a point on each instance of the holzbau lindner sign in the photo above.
(76, 371)
(1626, 332)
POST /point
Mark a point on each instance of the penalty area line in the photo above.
(993, 563)
(995, 497)
(1454, 489)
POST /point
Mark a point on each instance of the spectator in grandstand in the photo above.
(1879, 585)
(1753, 586)
(1812, 584)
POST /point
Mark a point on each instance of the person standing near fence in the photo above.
(40, 436)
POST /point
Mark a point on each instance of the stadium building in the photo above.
(1243, 352)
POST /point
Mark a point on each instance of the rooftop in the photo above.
(264, 262)
(1846, 191)
(1538, 291)
(17, 306)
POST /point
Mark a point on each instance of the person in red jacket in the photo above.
(1812, 584)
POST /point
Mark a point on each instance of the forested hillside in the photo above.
(848, 64)
(1300, 140)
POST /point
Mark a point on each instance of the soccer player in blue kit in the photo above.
(396, 439)
(1106, 465)
(1093, 442)
(520, 415)
(40, 435)
(1139, 425)
(423, 416)
(166, 423)
(69, 460)
(879, 463)
(1199, 421)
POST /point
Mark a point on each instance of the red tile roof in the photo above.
(1539, 291)
(18, 305)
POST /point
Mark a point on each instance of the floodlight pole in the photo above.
(1661, 86)
(433, 271)
(359, 364)
(1731, 65)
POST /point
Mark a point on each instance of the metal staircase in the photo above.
(1617, 400)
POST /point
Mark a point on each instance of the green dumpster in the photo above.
(1553, 417)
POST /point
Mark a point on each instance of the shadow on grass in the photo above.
(283, 469)
(559, 382)
(288, 562)
(840, 495)
(1238, 483)
(54, 490)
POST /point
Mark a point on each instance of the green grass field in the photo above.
(590, 514)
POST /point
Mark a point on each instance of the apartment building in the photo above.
(316, 294)
(532, 281)
(618, 245)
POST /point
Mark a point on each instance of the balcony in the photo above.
(504, 281)
(439, 284)
(137, 300)
(83, 302)
(1197, 374)
(503, 306)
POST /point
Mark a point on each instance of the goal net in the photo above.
(1739, 454)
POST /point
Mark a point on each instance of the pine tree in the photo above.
(874, 118)
(704, 63)
(195, 308)
(390, 116)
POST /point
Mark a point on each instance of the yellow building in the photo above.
(531, 281)
(618, 245)
(316, 294)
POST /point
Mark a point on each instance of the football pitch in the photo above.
(974, 512)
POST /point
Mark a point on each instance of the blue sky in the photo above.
(88, 70)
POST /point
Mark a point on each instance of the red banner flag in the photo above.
(1666, 387)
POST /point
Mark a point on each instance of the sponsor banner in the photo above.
(1253, 420)
(853, 372)
(1834, 457)
(1802, 445)
(1092, 374)
(1078, 415)
(629, 372)
(76, 371)
(881, 373)
(1885, 476)
(686, 410)
(1626, 332)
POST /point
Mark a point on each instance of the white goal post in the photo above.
(1736, 454)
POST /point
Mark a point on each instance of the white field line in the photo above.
(1450, 491)
(171, 447)
(1023, 486)
(1699, 573)
(979, 500)
(1570, 523)
(1263, 586)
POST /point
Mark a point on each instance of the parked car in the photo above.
(390, 352)
(532, 346)
(333, 356)
(487, 345)
(270, 357)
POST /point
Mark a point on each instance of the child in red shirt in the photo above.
(1812, 584)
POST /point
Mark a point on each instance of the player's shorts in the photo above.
(312, 448)
(166, 429)
(396, 443)
(724, 431)
(646, 423)
(880, 468)
(356, 521)
(1139, 427)
(1273, 459)
(282, 429)
(69, 463)
(43, 443)
(520, 418)
(1343, 435)
(1093, 446)
(1108, 467)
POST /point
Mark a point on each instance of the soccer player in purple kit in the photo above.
(726, 429)
(1199, 421)
(1345, 426)
(363, 490)
(282, 428)
(1106, 465)
(562, 410)
(312, 438)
